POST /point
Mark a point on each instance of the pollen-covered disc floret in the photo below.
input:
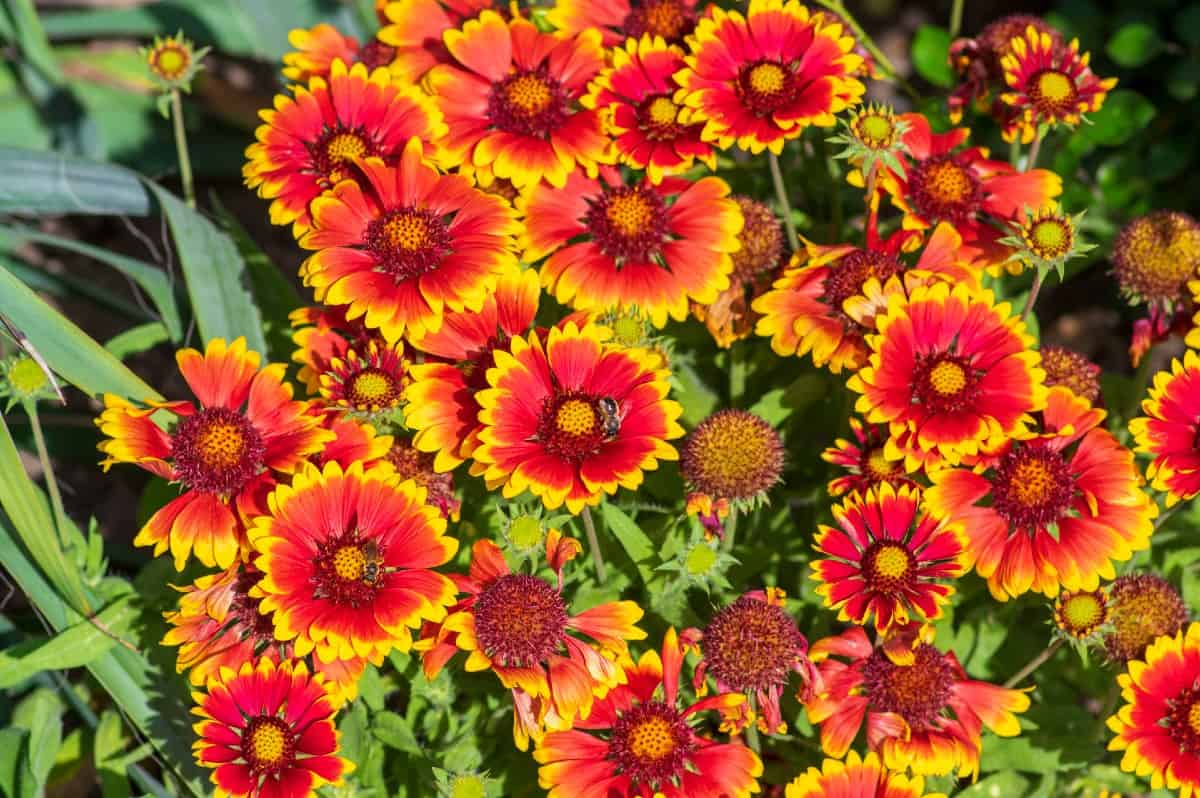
(520, 620)
(651, 743)
(412, 463)
(1142, 607)
(761, 240)
(916, 691)
(1071, 370)
(621, 21)
(1154, 257)
(1079, 613)
(366, 382)
(733, 454)
(752, 645)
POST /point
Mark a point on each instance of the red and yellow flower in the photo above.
(412, 463)
(942, 183)
(761, 79)
(1158, 727)
(952, 369)
(921, 711)
(511, 96)
(570, 419)
(517, 626)
(887, 558)
(311, 141)
(620, 20)
(322, 333)
(353, 442)
(367, 381)
(637, 96)
(346, 557)
(1048, 84)
(866, 460)
(612, 245)
(415, 29)
(978, 63)
(268, 731)
(637, 741)
(225, 453)
(1051, 512)
(441, 404)
(806, 311)
(1170, 429)
(751, 647)
(407, 245)
(857, 777)
(316, 49)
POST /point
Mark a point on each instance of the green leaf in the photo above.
(109, 741)
(46, 182)
(213, 271)
(632, 538)
(1124, 114)
(41, 715)
(74, 647)
(15, 777)
(136, 340)
(69, 351)
(394, 731)
(1134, 44)
(152, 279)
(931, 55)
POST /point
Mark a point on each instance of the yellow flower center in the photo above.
(349, 563)
(371, 387)
(630, 214)
(768, 78)
(1032, 483)
(525, 532)
(652, 739)
(26, 377)
(700, 560)
(1050, 238)
(221, 444)
(1083, 610)
(948, 183)
(1194, 717)
(947, 378)
(267, 743)
(879, 465)
(345, 147)
(1055, 86)
(662, 111)
(529, 93)
(628, 331)
(891, 562)
(408, 232)
(468, 787)
(875, 130)
(575, 417)
(170, 61)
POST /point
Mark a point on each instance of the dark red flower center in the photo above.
(1183, 720)
(573, 425)
(849, 273)
(1033, 486)
(752, 645)
(243, 610)
(529, 103)
(889, 567)
(336, 150)
(669, 19)
(917, 692)
(268, 745)
(412, 463)
(377, 54)
(629, 223)
(766, 86)
(408, 242)
(217, 450)
(650, 743)
(372, 387)
(520, 620)
(945, 190)
(944, 383)
(348, 570)
(1053, 93)
(658, 118)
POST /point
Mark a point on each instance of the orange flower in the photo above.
(510, 95)
(407, 245)
(922, 713)
(978, 62)
(311, 140)
(268, 730)
(761, 79)
(1169, 430)
(620, 20)
(319, 46)
(1052, 511)
(370, 380)
(414, 28)
(887, 559)
(226, 453)
(570, 419)
(952, 369)
(866, 460)
(637, 741)
(346, 558)
(517, 625)
(615, 246)
(858, 777)
(412, 463)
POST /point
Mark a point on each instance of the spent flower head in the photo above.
(873, 136)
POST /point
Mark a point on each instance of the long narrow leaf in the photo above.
(46, 182)
(71, 352)
(73, 647)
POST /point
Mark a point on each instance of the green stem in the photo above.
(181, 149)
(1034, 149)
(737, 375)
(1141, 378)
(956, 15)
(56, 502)
(1014, 152)
(1035, 663)
(730, 528)
(752, 730)
(1034, 290)
(838, 8)
(589, 526)
(785, 207)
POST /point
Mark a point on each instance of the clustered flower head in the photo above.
(507, 215)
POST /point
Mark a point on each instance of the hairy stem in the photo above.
(1034, 290)
(956, 15)
(181, 149)
(1035, 663)
(730, 528)
(785, 206)
(589, 526)
(56, 502)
